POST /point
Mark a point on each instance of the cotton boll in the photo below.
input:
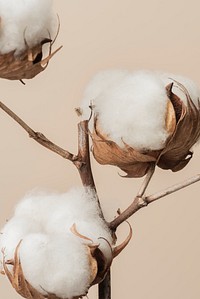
(29, 19)
(97, 85)
(190, 86)
(14, 231)
(64, 244)
(132, 111)
(56, 264)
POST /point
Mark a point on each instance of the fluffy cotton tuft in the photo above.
(57, 264)
(14, 231)
(131, 107)
(56, 213)
(32, 20)
(98, 84)
(55, 258)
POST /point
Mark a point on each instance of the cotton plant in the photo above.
(57, 245)
(142, 118)
(25, 27)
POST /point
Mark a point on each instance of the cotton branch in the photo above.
(37, 136)
(142, 201)
(82, 163)
(151, 198)
(81, 160)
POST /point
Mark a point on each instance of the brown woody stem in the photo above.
(83, 158)
(37, 136)
(105, 287)
(140, 202)
(147, 180)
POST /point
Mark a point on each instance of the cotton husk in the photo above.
(27, 64)
(182, 122)
(44, 250)
(25, 27)
(99, 265)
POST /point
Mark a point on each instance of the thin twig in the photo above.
(39, 137)
(137, 202)
(151, 198)
(146, 181)
(140, 202)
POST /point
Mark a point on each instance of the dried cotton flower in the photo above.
(57, 245)
(25, 26)
(143, 118)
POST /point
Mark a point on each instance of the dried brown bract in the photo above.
(182, 122)
(177, 152)
(27, 64)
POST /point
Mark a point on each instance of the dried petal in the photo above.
(170, 118)
(131, 161)
(102, 264)
(176, 153)
(76, 233)
(98, 263)
(26, 65)
(118, 249)
(18, 280)
(93, 264)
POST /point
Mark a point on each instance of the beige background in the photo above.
(162, 260)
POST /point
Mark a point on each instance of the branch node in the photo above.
(79, 164)
(142, 202)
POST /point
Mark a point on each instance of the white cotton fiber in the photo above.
(81, 208)
(14, 231)
(132, 109)
(32, 20)
(190, 85)
(38, 206)
(56, 264)
(54, 257)
(56, 213)
(100, 82)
